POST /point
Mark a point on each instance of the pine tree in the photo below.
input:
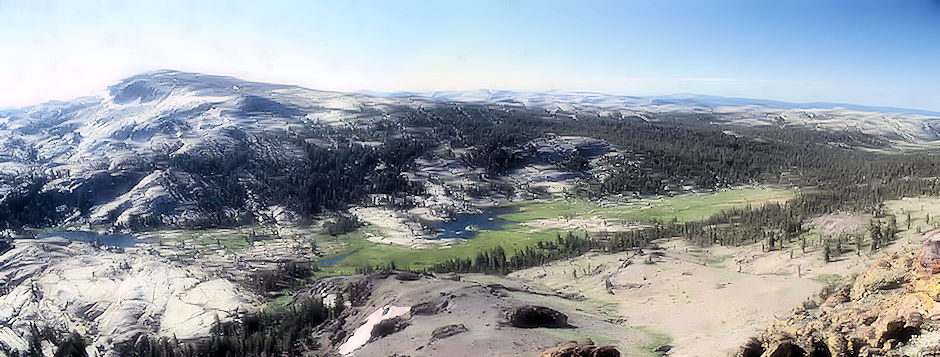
(892, 228)
(875, 233)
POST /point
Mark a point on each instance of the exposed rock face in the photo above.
(885, 275)
(109, 297)
(466, 318)
(576, 350)
(406, 276)
(891, 310)
(536, 316)
(929, 257)
(388, 327)
(430, 307)
(447, 331)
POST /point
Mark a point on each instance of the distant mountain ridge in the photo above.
(684, 99)
(178, 148)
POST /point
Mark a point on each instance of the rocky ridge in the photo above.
(893, 309)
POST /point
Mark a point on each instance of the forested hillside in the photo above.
(225, 156)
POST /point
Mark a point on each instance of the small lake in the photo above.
(115, 240)
(467, 226)
(464, 226)
(332, 261)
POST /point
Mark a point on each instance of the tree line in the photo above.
(287, 332)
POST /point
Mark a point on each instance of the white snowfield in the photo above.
(363, 334)
(109, 297)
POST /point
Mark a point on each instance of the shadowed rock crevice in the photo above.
(898, 332)
(753, 348)
(536, 316)
(820, 350)
(388, 327)
(788, 349)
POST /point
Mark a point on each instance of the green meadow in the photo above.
(683, 208)
(359, 251)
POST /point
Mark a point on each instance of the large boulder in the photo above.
(387, 327)
(447, 331)
(432, 307)
(576, 350)
(530, 316)
(929, 256)
(406, 276)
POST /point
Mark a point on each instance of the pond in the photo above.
(116, 240)
(466, 226)
(463, 226)
(332, 261)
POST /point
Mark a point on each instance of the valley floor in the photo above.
(527, 222)
(700, 301)
(709, 301)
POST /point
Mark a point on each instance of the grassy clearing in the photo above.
(573, 334)
(682, 208)
(656, 339)
(832, 280)
(359, 251)
(279, 303)
(362, 252)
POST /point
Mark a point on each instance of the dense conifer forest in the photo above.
(666, 150)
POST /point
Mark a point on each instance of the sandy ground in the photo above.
(706, 311)
(709, 301)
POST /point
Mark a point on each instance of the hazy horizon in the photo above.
(862, 53)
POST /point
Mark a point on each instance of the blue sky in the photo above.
(863, 52)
